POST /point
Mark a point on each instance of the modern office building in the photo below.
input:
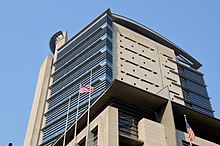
(143, 84)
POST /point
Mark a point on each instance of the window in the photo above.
(128, 125)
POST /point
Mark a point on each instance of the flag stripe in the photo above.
(86, 89)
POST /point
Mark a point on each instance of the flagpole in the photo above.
(90, 84)
(77, 112)
(67, 116)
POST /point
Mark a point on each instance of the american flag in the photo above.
(86, 89)
(190, 132)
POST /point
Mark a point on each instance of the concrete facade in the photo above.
(36, 116)
(107, 126)
(151, 133)
(144, 63)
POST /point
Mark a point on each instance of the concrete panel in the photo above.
(143, 63)
(151, 133)
(168, 66)
(135, 59)
(36, 116)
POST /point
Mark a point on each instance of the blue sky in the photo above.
(26, 27)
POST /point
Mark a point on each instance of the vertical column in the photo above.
(108, 128)
(36, 115)
(165, 117)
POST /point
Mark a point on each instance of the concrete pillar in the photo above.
(36, 115)
(165, 117)
(108, 128)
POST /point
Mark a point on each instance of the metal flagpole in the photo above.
(67, 116)
(185, 118)
(77, 112)
(90, 84)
